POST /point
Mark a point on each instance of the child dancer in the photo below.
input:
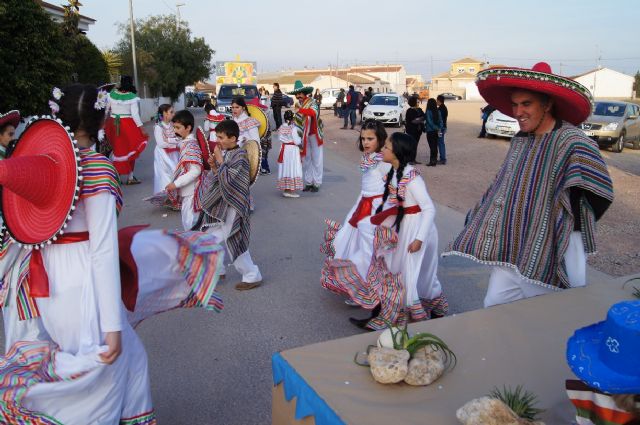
(210, 122)
(402, 276)
(290, 168)
(349, 247)
(249, 126)
(188, 174)
(167, 151)
(225, 203)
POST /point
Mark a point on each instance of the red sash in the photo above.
(38, 279)
(363, 209)
(128, 267)
(381, 216)
(170, 150)
(281, 156)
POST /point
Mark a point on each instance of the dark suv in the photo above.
(197, 98)
(227, 92)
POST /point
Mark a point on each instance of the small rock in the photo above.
(489, 411)
(425, 367)
(388, 366)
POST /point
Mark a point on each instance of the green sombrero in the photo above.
(298, 87)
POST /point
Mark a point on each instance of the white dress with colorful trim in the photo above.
(165, 156)
(289, 162)
(249, 128)
(66, 382)
(355, 243)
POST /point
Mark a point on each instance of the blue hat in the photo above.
(606, 355)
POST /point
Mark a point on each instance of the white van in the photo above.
(329, 97)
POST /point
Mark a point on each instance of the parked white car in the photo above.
(502, 125)
(388, 108)
(329, 97)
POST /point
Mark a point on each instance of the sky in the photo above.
(424, 35)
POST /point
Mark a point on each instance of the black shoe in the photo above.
(442, 162)
(432, 164)
(314, 188)
(480, 137)
(307, 188)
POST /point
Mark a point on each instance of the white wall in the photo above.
(149, 107)
(607, 83)
(472, 92)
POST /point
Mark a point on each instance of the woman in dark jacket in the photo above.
(414, 121)
(433, 126)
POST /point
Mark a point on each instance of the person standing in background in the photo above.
(433, 127)
(276, 104)
(353, 98)
(414, 123)
(444, 113)
(339, 106)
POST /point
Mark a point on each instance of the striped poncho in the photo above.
(228, 188)
(308, 123)
(546, 188)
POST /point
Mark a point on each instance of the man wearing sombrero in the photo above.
(309, 126)
(8, 124)
(536, 222)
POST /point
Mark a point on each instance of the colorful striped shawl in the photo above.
(190, 154)
(525, 218)
(228, 188)
(409, 174)
(99, 175)
(307, 121)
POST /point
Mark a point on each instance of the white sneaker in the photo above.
(290, 195)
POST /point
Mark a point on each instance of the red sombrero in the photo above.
(573, 101)
(213, 116)
(11, 117)
(40, 183)
(206, 147)
(255, 102)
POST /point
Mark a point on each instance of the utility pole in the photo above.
(133, 45)
(178, 6)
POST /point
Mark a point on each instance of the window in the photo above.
(460, 69)
(472, 69)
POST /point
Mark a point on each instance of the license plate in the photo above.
(589, 133)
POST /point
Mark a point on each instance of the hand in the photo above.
(212, 162)
(113, 340)
(171, 186)
(415, 246)
(144, 133)
(217, 153)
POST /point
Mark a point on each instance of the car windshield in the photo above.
(233, 91)
(608, 109)
(384, 100)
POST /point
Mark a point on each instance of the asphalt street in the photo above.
(210, 368)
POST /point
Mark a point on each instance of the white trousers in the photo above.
(312, 163)
(189, 217)
(506, 285)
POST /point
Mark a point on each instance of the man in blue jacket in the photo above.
(353, 98)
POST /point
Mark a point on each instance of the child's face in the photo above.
(236, 110)
(387, 152)
(167, 116)
(7, 135)
(226, 142)
(369, 140)
(181, 130)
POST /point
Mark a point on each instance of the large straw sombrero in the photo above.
(259, 114)
(254, 155)
(298, 87)
(572, 100)
(40, 183)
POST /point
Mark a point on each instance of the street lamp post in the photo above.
(133, 45)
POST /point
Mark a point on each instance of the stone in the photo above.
(425, 367)
(388, 366)
(489, 411)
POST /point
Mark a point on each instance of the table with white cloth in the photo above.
(521, 343)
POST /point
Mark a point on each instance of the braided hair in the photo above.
(403, 146)
(78, 111)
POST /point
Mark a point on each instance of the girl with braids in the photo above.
(249, 126)
(402, 280)
(88, 365)
(167, 151)
(349, 247)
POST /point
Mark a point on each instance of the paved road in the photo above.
(212, 368)
(628, 160)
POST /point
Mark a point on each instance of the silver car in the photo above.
(614, 124)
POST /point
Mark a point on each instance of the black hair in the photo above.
(413, 101)
(185, 118)
(3, 127)
(239, 100)
(378, 128)
(404, 149)
(78, 111)
(126, 84)
(440, 98)
(208, 107)
(229, 128)
(288, 116)
(351, 87)
(161, 110)
(433, 107)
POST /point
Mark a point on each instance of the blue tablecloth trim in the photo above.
(308, 403)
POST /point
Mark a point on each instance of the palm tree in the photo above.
(114, 63)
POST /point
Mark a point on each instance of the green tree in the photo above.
(32, 57)
(168, 57)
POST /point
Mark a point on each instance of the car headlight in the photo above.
(612, 126)
(392, 112)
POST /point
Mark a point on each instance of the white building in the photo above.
(605, 82)
(57, 14)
